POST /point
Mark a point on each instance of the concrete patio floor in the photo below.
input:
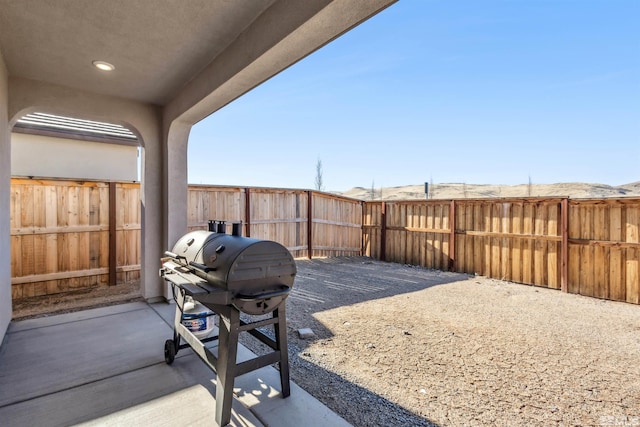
(106, 366)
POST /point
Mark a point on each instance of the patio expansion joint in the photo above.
(151, 306)
(17, 402)
(11, 332)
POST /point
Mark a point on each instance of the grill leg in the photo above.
(179, 297)
(281, 346)
(226, 365)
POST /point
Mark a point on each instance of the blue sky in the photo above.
(473, 91)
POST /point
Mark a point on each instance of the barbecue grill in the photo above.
(229, 275)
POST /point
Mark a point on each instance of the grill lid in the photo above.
(257, 275)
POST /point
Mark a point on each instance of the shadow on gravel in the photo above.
(357, 405)
(327, 283)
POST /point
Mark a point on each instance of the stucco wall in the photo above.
(5, 191)
(42, 156)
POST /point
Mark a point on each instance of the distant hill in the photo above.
(576, 190)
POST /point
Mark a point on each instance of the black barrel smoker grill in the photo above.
(230, 275)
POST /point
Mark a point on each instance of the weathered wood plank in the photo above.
(553, 265)
(528, 244)
(632, 273)
(632, 225)
(16, 256)
(617, 278)
(540, 264)
(553, 258)
(477, 248)
(516, 244)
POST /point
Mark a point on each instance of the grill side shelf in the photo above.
(206, 294)
(193, 290)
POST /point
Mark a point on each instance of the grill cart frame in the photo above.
(188, 279)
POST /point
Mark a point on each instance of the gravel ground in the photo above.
(397, 345)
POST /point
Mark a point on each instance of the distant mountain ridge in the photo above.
(574, 190)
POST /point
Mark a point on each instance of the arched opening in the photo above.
(75, 223)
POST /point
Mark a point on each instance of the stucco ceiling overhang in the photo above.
(161, 48)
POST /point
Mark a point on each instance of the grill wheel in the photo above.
(169, 351)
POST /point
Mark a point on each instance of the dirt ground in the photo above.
(401, 345)
(81, 299)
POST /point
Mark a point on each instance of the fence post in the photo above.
(383, 232)
(112, 234)
(564, 251)
(309, 224)
(247, 211)
(452, 236)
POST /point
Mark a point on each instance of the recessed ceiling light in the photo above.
(103, 66)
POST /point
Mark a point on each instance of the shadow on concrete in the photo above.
(103, 367)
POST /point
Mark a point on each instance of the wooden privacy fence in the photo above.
(588, 247)
(73, 235)
(308, 223)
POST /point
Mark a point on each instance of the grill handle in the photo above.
(202, 272)
(175, 256)
(191, 263)
(201, 266)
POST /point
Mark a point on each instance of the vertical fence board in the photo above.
(539, 258)
(505, 247)
(600, 253)
(431, 239)
(633, 255)
(552, 252)
(462, 253)
(39, 222)
(574, 257)
(447, 237)
(437, 240)
(496, 253)
(486, 240)
(26, 221)
(516, 229)
(15, 216)
(528, 246)
(409, 240)
(586, 261)
(632, 276)
(83, 217)
(617, 288)
(478, 241)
